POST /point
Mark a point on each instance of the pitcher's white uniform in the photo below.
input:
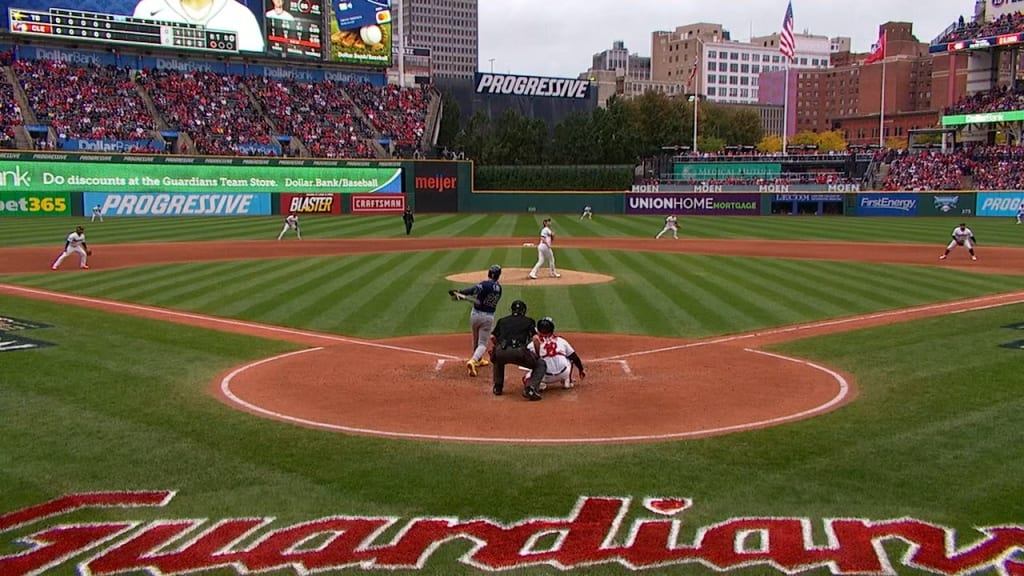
(544, 252)
(555, 351)
(74, 244)
(291, 223)
(670, 224)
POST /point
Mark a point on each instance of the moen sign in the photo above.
(532, 86)
(599, 531)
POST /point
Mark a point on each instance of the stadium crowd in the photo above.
(221, 114)
(1005, 24)
(97, 103)
(995, 100)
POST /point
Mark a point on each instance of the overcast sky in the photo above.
(559, 37)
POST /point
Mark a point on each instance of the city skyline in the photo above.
(512, 41)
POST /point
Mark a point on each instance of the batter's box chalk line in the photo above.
(439, 365)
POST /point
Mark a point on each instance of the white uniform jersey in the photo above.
(75, 240)
(1020, 211)
(226, 15)
(546, 235)
(292, 221)
(555, 351)
(962, 235)
(670, 222)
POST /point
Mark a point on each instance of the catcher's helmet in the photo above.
(494, 272)
(518, 307)
(546, 325)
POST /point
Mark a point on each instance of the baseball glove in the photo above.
(88, 252)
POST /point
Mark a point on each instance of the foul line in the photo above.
(214, 320)
(1018, 298)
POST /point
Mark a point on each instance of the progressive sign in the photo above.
(509, 84)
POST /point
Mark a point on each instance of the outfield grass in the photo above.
(122, 403)
(934, 230)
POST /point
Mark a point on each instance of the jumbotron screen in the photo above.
(360, 30)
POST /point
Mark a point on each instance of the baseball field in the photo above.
(770, 395)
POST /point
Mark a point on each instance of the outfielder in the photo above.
(485, 297)
(97, 212)
(1020, 213)
(962, 236)
(670, 224)
(544, 252)
(75, 243)
(558, 355)
(291, 222)
(588, 213)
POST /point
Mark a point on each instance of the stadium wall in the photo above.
(65, 184)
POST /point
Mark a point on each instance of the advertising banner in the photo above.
(723, 170)
(179, 204)
(122, 146)
(1004, 204)
(946, 204)
(361, 32)
(377, 204)
(807, 198)
(509, 84)
(311, 204)
(694, 204)
(34, 204)
(436, 186)
(885, 204)
(17, 176)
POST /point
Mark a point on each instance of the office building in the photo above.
(449, 29)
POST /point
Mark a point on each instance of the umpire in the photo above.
(509, 339)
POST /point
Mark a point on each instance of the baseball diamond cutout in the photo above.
(637, 389)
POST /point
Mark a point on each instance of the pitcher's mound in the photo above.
(521, 277)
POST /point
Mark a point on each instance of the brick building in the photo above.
(848, 96)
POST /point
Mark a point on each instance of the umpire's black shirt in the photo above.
(513, 331)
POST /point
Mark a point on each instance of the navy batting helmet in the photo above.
(494, 272)
(546, 325)
(518, 307)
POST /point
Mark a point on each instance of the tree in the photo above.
(770, 143)
(575, 141)
(832, 141)
(804, 138)
(896, 143)
(708, 143)
(518, 140)
(451, 121)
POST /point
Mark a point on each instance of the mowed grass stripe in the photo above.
(774, 299)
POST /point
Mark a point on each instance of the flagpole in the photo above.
(881, 107)
(785, 110)
(696, 91)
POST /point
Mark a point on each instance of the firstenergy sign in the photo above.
(513, 85)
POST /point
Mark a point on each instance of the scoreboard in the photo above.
(120, 29)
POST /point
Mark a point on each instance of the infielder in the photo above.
(291, 222)
(670, 224)
(558, 355)
(544, 252)
(1020, 213)
(485, 297)
(962, 236)
(97, 212)
(588, 213)
(75, 243)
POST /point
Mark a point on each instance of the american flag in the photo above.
(787, 44)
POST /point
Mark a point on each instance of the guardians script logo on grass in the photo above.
(597, 531)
